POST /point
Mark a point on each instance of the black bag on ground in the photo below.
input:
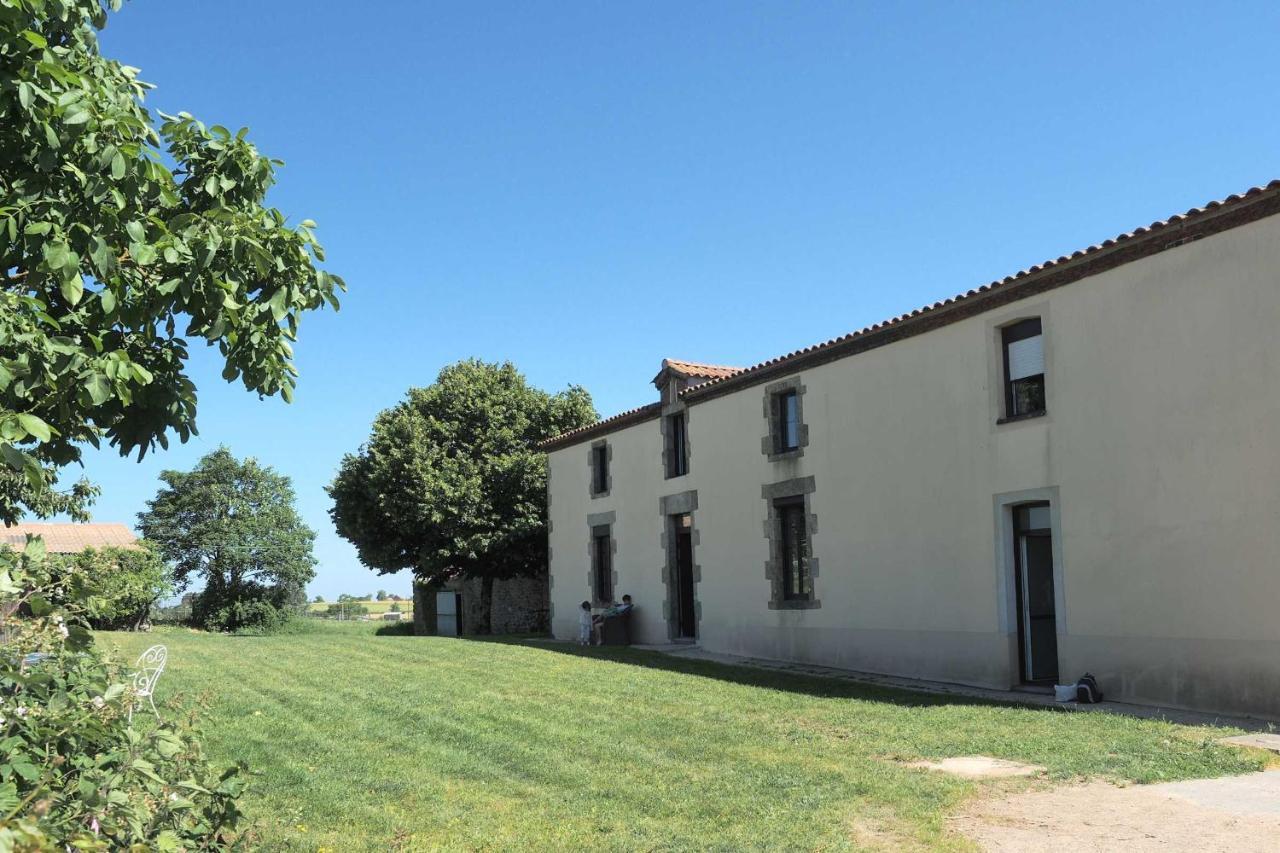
(1087, 691)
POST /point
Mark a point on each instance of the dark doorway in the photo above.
(683, 604)
(1037, 611)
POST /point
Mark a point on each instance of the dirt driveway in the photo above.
(1236, 813)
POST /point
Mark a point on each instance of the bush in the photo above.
(346, 610)
(126, 582)
(74, 773)
(254, 609)
(395, 629)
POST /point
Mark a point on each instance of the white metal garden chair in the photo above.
(150, 664)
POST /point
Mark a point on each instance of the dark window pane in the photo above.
(788, 421)
(601, 469)
(795, 552)
(678, 457)
(1027, 395)
(604, 568)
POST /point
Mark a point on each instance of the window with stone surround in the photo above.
(787, 434)
(601, 478)
(789, 527)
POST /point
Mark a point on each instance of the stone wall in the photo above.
(520, 605)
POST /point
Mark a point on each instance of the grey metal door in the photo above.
(448, 608)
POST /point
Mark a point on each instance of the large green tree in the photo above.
(121, 240)
(232, 525)
(450, 482)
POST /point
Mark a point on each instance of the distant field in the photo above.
(375, 608)
(380, 743)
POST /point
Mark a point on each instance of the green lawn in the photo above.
(392, 742)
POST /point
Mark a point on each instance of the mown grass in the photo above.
(367, 742)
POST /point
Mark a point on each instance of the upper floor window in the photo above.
(677, 445)
(788, 408)
(797, 581)
(599, 469)
(1023, 344)
(784, 413)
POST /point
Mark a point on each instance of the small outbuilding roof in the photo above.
(70, 538)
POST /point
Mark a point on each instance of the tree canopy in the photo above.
(120, 239)
(233, 525)
(450, 482)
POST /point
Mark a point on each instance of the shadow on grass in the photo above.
(749, 676)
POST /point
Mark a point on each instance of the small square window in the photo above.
(1023, 345)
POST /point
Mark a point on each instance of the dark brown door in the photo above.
(1037, 608)
(686, 618)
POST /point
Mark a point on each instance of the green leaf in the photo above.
(279, 304)
(57, 254)
(99, 389)
(136, 231)
(72, 288)
(25, 769)
(117, 166)
(143, 254)
(37, 229)
(108, 300)
(35, 427)
(35, 549)
(81, 117)
(24, 94)
(35, 39)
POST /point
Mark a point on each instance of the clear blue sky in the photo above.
(585, 188)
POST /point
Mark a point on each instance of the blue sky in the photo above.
(585, 188)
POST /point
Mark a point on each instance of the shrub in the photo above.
(395, 629)
(74, 773)
(252, 609)
(126, 582)
(346, 610)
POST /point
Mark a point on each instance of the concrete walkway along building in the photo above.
(1075, 468)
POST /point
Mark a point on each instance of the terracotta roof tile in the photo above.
(693, 368)
(69, 538)
(642, 413)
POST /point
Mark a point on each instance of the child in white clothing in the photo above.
(584, 624)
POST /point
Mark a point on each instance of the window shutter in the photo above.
(1026, 358)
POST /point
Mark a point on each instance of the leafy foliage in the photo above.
(450, 482)
(346, 610)
(125, 582)
(233, 525)
(110, 258)
(73, 772)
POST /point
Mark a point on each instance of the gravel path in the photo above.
(1236, 813)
